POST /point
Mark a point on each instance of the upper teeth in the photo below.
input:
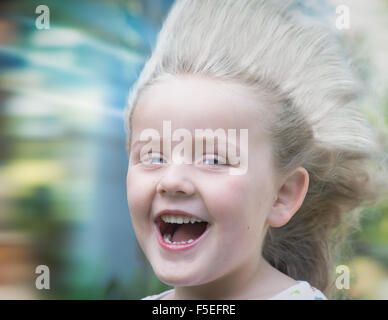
(180, 220)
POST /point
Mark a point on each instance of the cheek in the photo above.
(139, 193)
(237, 221)
(131, 189)
(228, 198)
(239, 204)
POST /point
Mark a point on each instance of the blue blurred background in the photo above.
(63, 159)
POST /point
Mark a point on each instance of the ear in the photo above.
(289, 198)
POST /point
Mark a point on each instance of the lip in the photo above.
(179, 247)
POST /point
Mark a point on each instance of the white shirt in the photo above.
(300, 291)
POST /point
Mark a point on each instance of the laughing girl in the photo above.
(273, 231)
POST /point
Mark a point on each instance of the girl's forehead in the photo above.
(198, 104)
(198, 91)
(208, 129)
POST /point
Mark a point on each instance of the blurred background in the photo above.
(63, 160)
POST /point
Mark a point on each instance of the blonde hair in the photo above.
(314, 124)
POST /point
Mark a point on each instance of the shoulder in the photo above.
(158, 296)
(301, 291)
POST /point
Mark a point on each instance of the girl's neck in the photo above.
(259, 281)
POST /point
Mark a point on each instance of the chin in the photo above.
(180, 279)
(174, 279)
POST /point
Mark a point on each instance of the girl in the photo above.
(271, 231)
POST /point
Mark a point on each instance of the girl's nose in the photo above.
(174, 182)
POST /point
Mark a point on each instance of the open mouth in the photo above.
(180, 229)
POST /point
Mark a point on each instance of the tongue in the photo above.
(187, 231)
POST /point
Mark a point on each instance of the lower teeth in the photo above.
(167, 238)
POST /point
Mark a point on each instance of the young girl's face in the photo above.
(235, 206)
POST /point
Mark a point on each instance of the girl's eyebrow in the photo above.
(137, 143)
(229, 144)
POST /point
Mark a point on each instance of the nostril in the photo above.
(175, 187)
(178, 192)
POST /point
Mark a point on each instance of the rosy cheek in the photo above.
(137, 181)
(226, 199)
(138, 194)
(233, 191)
(130, 185)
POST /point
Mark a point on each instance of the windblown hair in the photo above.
(315, 122)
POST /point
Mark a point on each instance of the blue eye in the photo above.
(157, 159)
(153, 158)
(216, 161)
(213, 161)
